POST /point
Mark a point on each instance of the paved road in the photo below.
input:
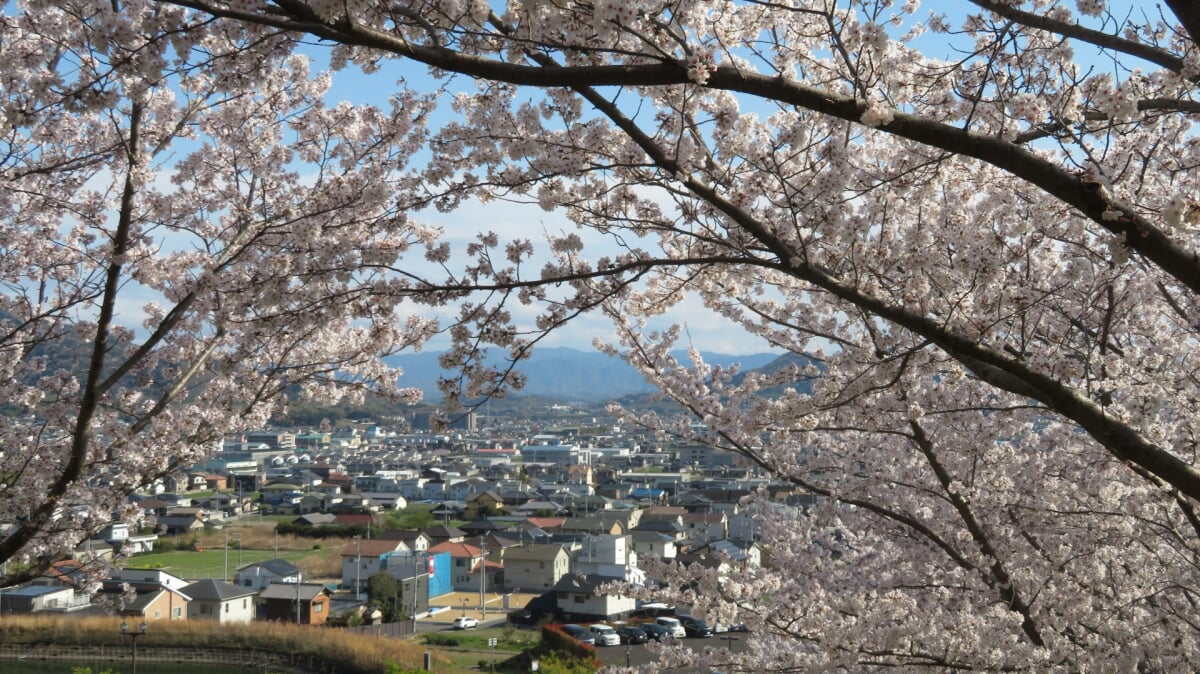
(638, 655)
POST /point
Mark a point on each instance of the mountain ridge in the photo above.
(566, 373)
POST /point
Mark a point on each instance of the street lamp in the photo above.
(141, 632)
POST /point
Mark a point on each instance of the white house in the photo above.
(259, 575)
(609, 556)
(578, 598)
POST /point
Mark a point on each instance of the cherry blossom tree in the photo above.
(198, 247)
(977, 230)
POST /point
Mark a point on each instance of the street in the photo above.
(638, 655)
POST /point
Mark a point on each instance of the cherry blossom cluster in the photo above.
(700, 64)
(974, 247)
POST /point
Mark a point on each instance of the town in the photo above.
(516, 522)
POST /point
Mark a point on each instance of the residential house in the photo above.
(147, 578)
(385, 500)
(539, 508)
(581, 474)
(536, 567)
(363, 558)
(300, 603)
(156, 603)
(158, 594)
(464, 490)
(315, 519)
(177, 524)
(648, 495)
(449, 510)
(706, 526)
(355, 520)
(664, 512)
(673, 527)
(259, 575)
(588, 504)
(464, 561)
(653, 544)
(442, 533)
(482, 527)
(484, 504)
(737, 554)
(610, 556)
(592, 525)
(580, 600)
(39, 599)
(413, 539)
(546, 524)
(743, 527)
(220, 601)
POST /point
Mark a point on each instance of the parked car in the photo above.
(695, 627)
(604, 634)
(632, 635)
(580, 633)
(655, 631)
(673, 625)
(465, 622)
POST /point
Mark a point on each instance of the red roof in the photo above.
(370, 547)
(457, 549)
(353, 519)
(546, 522)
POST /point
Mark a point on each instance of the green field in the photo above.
(211, 563)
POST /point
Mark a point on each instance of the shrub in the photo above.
(558, 640)
(436, 639)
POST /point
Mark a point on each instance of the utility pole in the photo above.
(415, 584)
(483, 579)
(358, 567)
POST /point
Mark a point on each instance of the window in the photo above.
(317, 608)
(578, 599)
(177, 613)
(541, 565)
(227, 608)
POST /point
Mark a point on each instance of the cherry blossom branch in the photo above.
(1090, 198)
(1001, 579)
(1075, 31)
(81, 434)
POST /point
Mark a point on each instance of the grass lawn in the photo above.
(211, 563)
(508, 640)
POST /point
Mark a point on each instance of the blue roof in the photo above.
(33, 590)
(643, 492)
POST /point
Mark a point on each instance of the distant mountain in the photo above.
(564, 373)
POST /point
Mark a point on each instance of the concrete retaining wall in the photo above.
(267, 661)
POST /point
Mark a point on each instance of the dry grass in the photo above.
(260, 535)
(352, 652)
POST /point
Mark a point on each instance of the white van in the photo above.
(604, 635)
(673, 625)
